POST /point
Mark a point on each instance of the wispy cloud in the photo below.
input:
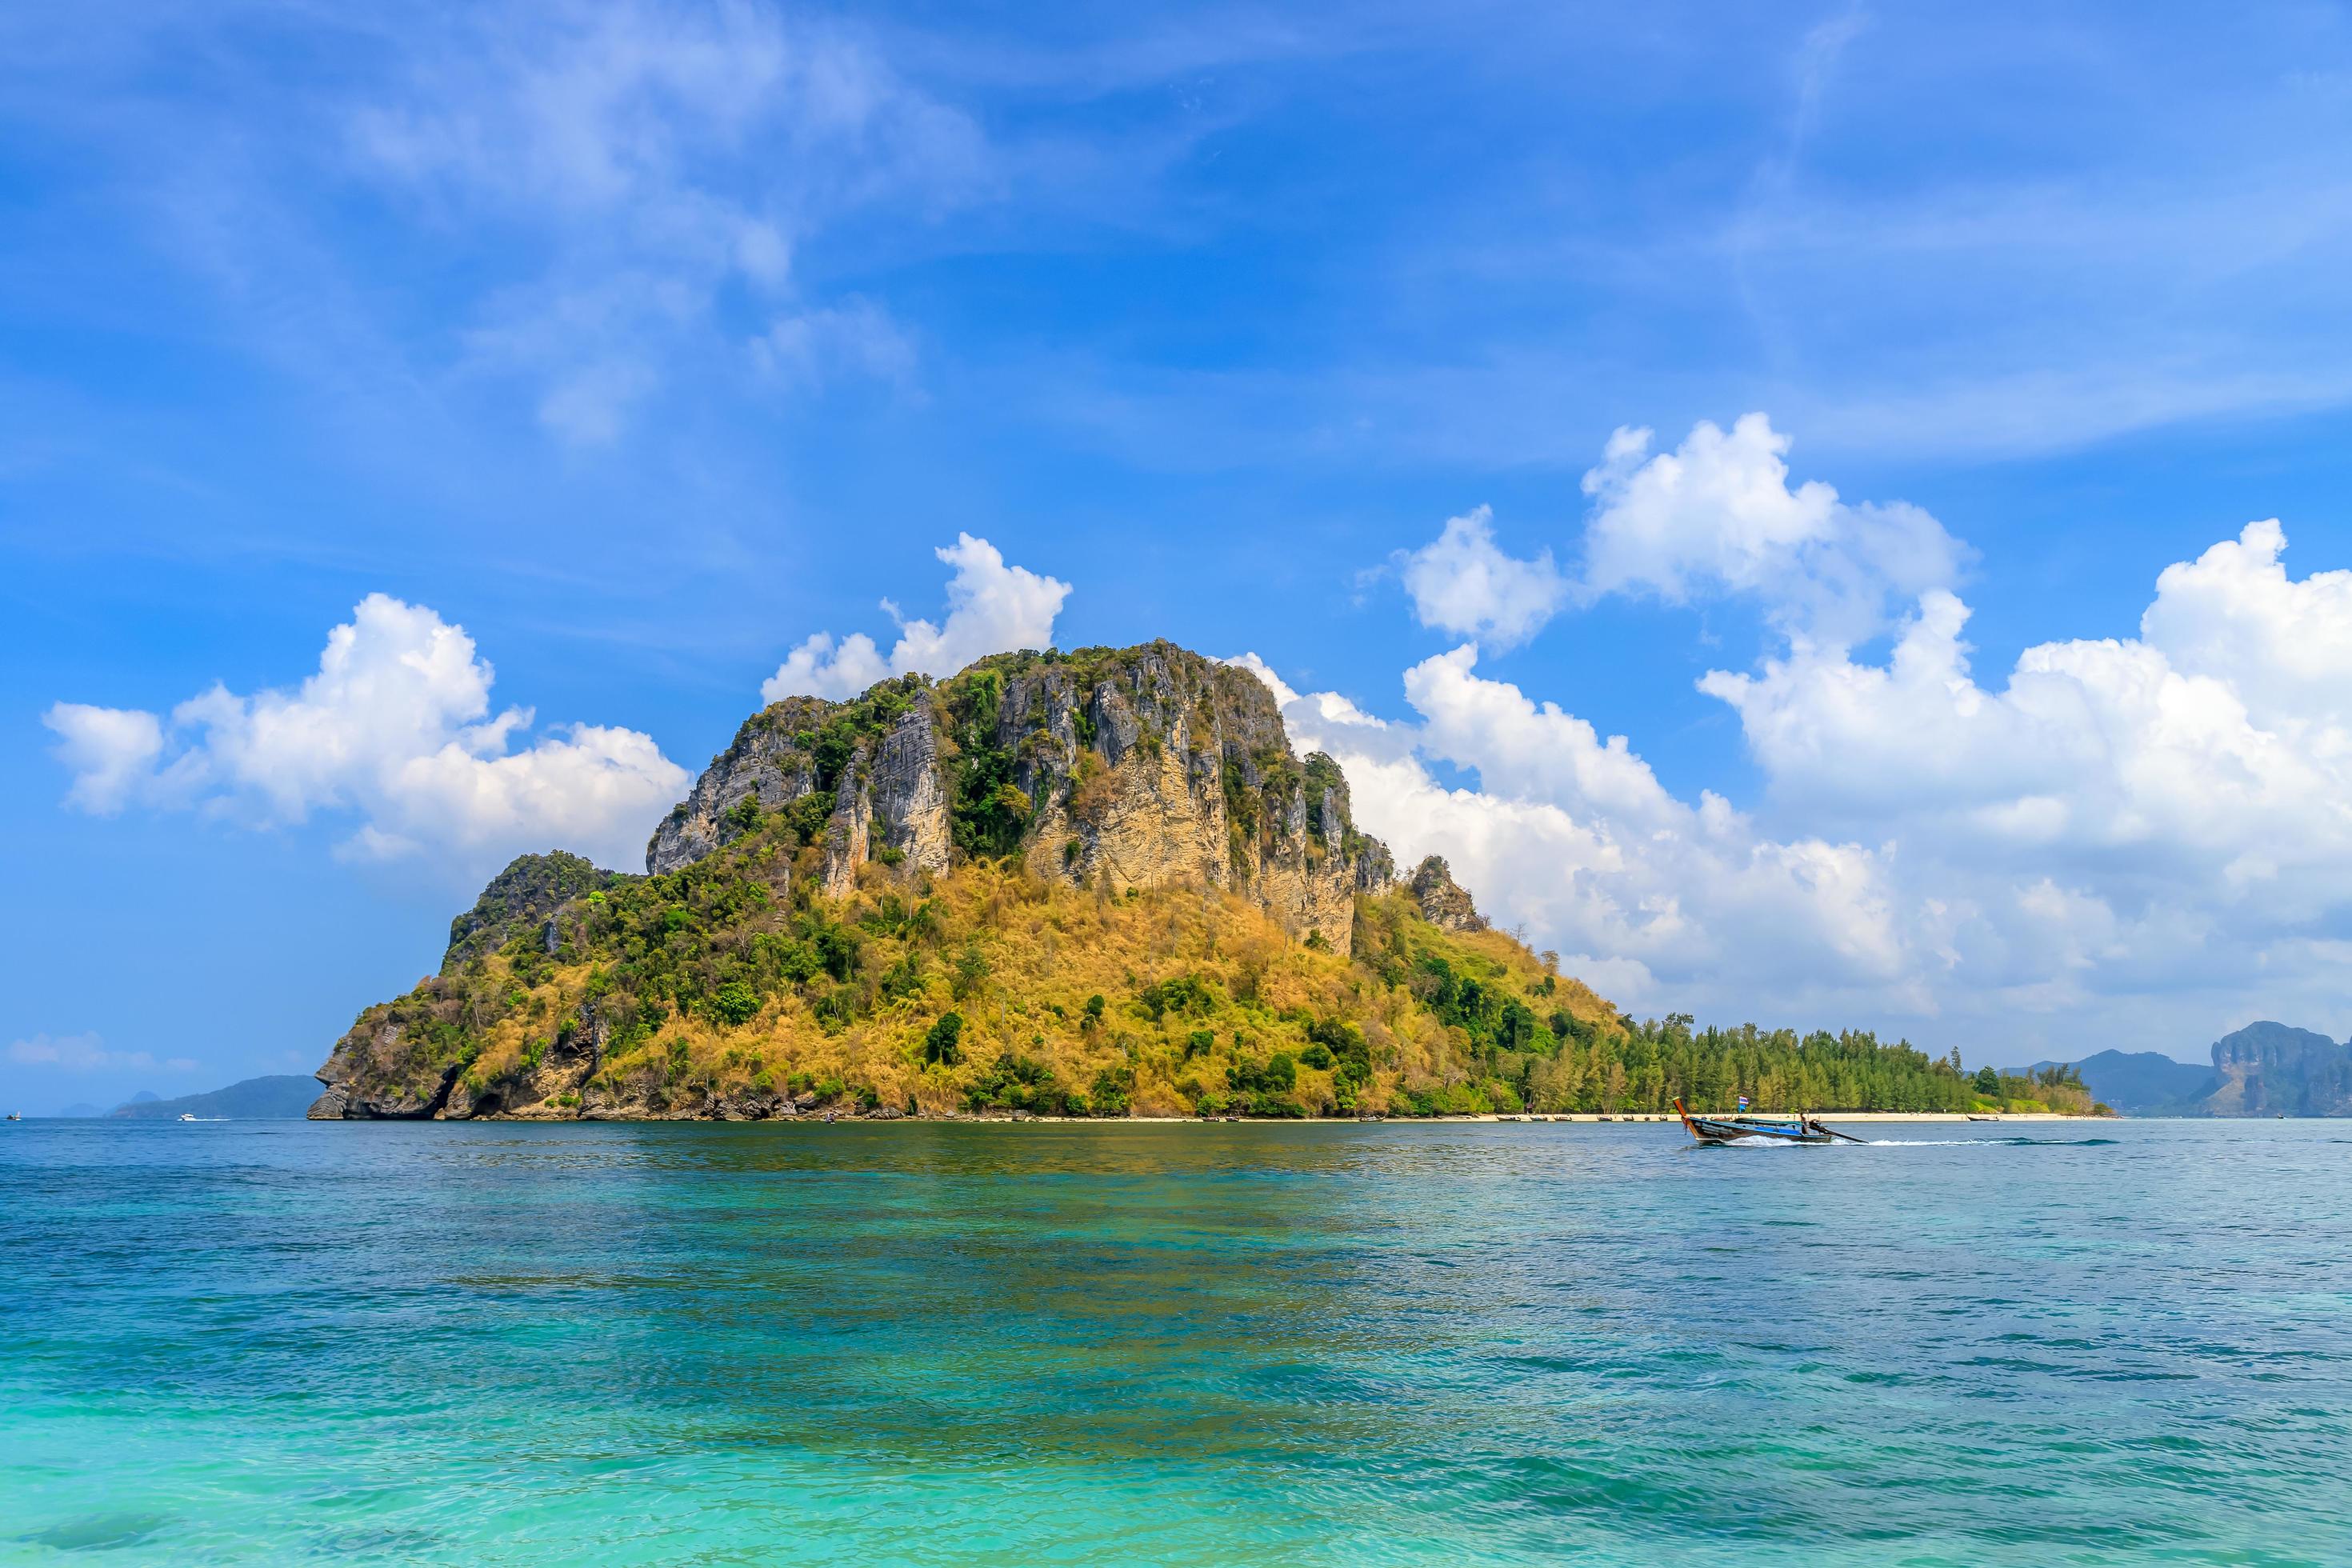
(87, 1053)
(654, 158)
(855, 339)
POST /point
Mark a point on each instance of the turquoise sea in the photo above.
(2031, 1343)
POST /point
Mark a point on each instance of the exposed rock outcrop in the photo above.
(1133, 768)
(382, 1071)
(524, 896)
(908, 794)
(766, 766)
(823, 890)
(1443, 902)
(2269, 1069)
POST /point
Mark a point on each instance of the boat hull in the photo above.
(1718, 1129)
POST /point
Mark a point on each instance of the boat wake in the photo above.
(1992, 1143)
(2010, 1141)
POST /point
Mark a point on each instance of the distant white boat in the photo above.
(187, 1116)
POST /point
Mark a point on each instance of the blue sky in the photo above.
(644, 342)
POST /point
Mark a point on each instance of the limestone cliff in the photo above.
(1134, 768)
(1443, 902)
(2271, 1069)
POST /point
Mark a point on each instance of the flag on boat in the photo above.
(1743, 1102)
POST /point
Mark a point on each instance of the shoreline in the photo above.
(1646, 1118)
(1652, 1119)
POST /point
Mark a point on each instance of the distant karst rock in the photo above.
(2264, 1069)
(2269, 1069)
(2139, 1083)
(1444, 904)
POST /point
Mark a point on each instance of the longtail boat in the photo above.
(1798, 1128)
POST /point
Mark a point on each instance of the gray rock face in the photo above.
(908, 792)
(1443, 902)
(1139, 767)
(377, 1073)
(2269, 1069)
(846, 831)
(893, 805)
(765, 766)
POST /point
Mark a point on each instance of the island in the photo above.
(1098, 883)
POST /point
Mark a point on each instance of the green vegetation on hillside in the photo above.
(2058, 1088)
(983, 989)
(1783, 1071)
(990, 990)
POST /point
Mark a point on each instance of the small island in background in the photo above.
(2262, 1069)
(275, 1095)
(1098, 883)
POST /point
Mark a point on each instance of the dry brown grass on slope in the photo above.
(1043, 949)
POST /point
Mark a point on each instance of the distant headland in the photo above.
(2264, 1069)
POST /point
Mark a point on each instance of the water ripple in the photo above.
(1213, 1344)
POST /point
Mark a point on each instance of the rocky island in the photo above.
(2265, 1068)
(1094, 883)
(1100, 883)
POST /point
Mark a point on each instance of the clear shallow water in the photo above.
(1191, 1345)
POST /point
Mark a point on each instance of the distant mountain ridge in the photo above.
(2266, 1068)
(2140, 1083)
(278, 1096)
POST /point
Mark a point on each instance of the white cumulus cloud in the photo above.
(111, 751)
(2212, 754)
(1570, 836)
(991, 608)
(394, 728)
(1462, 581)
(2141, 842)
(1716, 515)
